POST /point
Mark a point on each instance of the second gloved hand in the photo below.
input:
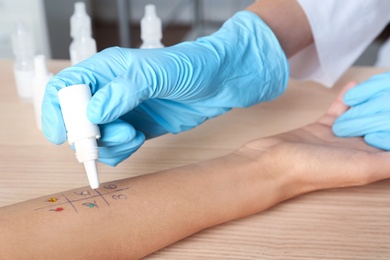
(147, 93)
(369, 115)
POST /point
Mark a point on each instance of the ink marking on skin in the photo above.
(112, 192)
(119, 197)
(57, 209)
(110, 186)
(70, 202)
(101, 195)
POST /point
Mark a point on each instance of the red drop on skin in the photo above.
(57, 209)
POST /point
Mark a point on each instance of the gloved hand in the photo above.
(146, 93)
(369, 115)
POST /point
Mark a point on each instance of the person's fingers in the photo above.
(53, 126)
(155, 117)
(380, 140)
(363, 125)
(116, 132)
(119, 97)
(119, 140)
(337, 107)
(376, 104)
(367, 89)
(112, 155)
(96, 71)
(152, 74)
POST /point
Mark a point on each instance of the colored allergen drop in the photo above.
(90, 204)
(85, 193)
(57, 209)
(52, 200)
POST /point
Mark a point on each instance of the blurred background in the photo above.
(116, 23)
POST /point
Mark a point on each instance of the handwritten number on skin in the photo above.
(119, 197)
(110, 186)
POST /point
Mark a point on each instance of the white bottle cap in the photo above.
(73, 101)
(151, 27)
(81, 132)
(80, 20)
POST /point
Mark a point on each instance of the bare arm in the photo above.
(288, 21)
(131, 218)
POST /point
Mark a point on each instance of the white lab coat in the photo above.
(342, 30)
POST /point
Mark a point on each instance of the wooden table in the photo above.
(350, 223)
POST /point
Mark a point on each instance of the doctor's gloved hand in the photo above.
(369, 113)
(143, 93)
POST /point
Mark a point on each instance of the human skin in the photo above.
(288, 22)
(131, 218)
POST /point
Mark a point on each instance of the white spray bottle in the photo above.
(81, 132)
(23, 49)
(39, 82)
(151, 29)
(83, 45)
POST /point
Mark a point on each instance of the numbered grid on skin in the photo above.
(88, 199)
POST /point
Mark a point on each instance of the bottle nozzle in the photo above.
(79, 8)
(151, 27)
(80, 20)
(150, 11)
(92, 173)
(22, 41)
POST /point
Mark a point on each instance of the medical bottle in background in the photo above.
(83, 45)
(39, 82)
(151, 29)
(24, 51)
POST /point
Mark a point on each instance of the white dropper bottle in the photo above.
(151, 29)
(81, 132)
(39, 82)
(83, 45)
(23, 49)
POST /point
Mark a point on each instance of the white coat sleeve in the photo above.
(342, 30)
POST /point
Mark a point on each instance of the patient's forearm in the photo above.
(131, 218)
(134, 217)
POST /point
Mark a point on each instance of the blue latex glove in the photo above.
(369, 113)
(140, 94)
